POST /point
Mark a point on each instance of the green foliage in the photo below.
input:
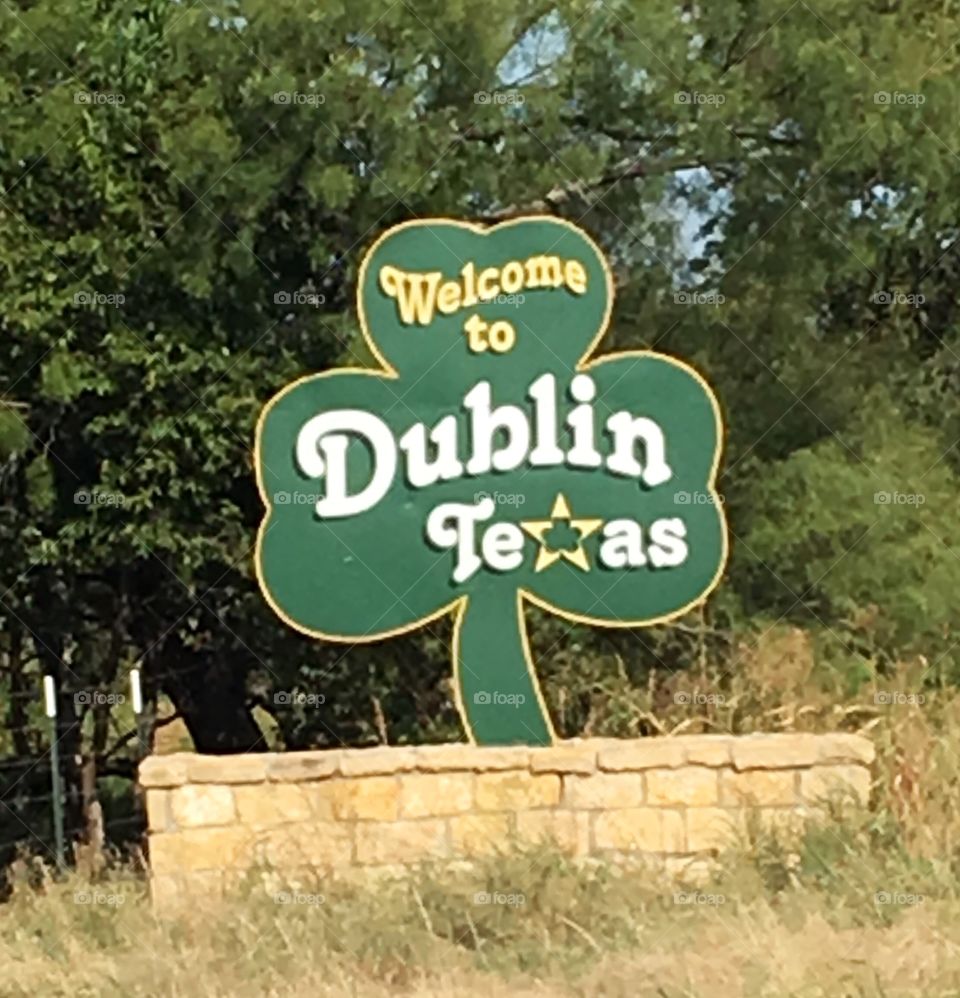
(161, 195)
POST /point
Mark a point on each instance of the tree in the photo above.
(187, 192)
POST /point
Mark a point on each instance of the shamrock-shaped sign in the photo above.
(490, 462)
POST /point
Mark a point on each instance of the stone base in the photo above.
(290, 818)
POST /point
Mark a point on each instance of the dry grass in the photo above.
(867, 905)
(849, 911)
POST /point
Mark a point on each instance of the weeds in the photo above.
(865, 903)
(845, 910)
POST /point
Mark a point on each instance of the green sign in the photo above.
(491, 461)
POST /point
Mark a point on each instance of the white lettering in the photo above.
(502, 547)
(544, 394)
(622, 545)
(322, 451)
(453, 524)
(486, 423)
(583, 453)
(667, 545)
(445, 465)
(626, 431)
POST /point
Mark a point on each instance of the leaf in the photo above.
(14, 432)
(40, 484)
(63, 376)
(331, 186)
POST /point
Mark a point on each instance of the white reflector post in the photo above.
(49, 696)
(136, 695)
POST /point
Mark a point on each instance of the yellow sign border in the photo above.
(460, 603)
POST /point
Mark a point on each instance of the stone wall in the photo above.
(211, 818)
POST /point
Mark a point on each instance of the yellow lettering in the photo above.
(420, 295)
(469, 275)
(475, 327)
(486, 289)
(448, 301)
(544, 272)
(511, 277)
(416, 294)
(390, 280)
(502, 336)
(575, 276)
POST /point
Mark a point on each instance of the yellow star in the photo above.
(560, 513)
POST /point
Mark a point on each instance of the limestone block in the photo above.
(639, 829)
(424, 795)
(199, 804)
(775, 751)
(714, 828)
(164, 770)
(314, 844)
(695, 786)
(267, 804)
(517, 791)
(401, 841)
(764, 787)
(603, 790)
(296, 767)
(377, 761)
(228, 769)
(480, 834)
(201, 849)
(564, 758)
(159, 817)
(643, 753)
(568, 831)
(825, 782)
(437, 758)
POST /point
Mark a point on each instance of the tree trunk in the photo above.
(211, 697)
(89, 853)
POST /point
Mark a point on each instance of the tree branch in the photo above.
(630, 169)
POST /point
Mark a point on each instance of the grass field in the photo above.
(849, 911)
(867, 905)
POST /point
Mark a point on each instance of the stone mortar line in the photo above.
(379, 809)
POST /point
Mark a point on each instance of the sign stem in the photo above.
(500, 699)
